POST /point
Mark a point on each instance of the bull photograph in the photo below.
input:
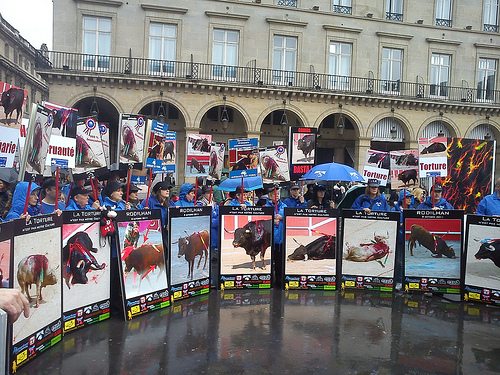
(142, 257)
(243, 157)
(197, 154)
(12, 100)
(37, 273)
(274, 164)
(482, 260)
(37, 140)
(404, 169)
(310, 248)
(86, 270)
(160, 153)
(369, 249)
(433, 248)
(189, 250)
(246, 239)
(131, 138)
(89, 146)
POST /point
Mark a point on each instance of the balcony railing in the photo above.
(443, 22)
(394, 16)
(288, 3)
(83, 64)
(342, 9)
(490, 28)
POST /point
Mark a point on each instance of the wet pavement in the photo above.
(277, 332)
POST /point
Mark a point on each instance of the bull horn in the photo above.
(297, 242)
(387, 234)
(173, 243)
(229, 231)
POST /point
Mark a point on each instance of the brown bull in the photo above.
(437, 246)
(192, 246)
(145, 258)
(34, 269)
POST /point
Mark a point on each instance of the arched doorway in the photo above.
(437, 128)
(107, 113)
(223, 122)
(388, 134)
(275, 127)
(337, 135)
(172, 116)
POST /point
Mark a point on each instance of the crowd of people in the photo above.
(25, 199)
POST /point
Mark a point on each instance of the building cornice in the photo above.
(161, 8)
(34, 81)
(444, 41)
(111, 3)
(342, 29)
(482, 45)
(287, 22)
(227, 15)
(394, 35)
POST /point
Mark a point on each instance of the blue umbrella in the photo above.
(333, 172)
(249, 183)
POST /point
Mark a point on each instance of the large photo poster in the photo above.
(104, 131)
(377, 165)
(369, 249)
(132, 129)
(37, 141)
(197, 154)
(160, 153)
(432, 157)
(142, 262)
(302, 150)
(89, 149)
(13, 100)
(189, 239)
(404, 169)
(245, 243)
(482, 259)
(86, 258)
(217, 151)
(37, 266)
(310, 249)
(274, 164)
(243, 157)
(433, 250)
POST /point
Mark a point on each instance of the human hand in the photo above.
(127, 206)
(13, 302)
(96, 205)
(367, 210)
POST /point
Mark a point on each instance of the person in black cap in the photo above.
(159, 199)
(435, 200)
(318, 200)
(79, 200)
(295, 199)
(133, 199)
(371, 200)
(113, 196)
(239, 198)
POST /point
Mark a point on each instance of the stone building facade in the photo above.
(17, 64)
(366, 73)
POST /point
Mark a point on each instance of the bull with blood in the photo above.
(192, 246)
(376, 249)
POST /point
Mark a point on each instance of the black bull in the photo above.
(255, 238)
(321, 248)
(11, 100)
(306, 144)
(78, 260)
(490, 250)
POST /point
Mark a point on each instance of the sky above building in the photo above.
(32, 18)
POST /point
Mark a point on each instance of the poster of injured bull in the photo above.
(302, 150)
(245, 243)
(310, 249)
(142, 262)
(160, 153)
(274, 164)
(6, 234)
(377, 166)
(89, 150)
(243, 157)
(131, 136)
(37, 141)
(217, 151)
(86, 258)
(37, 268)
(433, 248)
(482, 259)
(404, 169)
(197, 154)
(189, 251)
(369, 249)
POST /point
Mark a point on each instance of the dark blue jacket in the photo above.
(294, 203)
(379, 203)
(489, 205)
(18, 199)
(117, 206)
(154, 203)
(280, 228)
(441, 204)
(73, 206)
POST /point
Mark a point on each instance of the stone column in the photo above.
(362, 146)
